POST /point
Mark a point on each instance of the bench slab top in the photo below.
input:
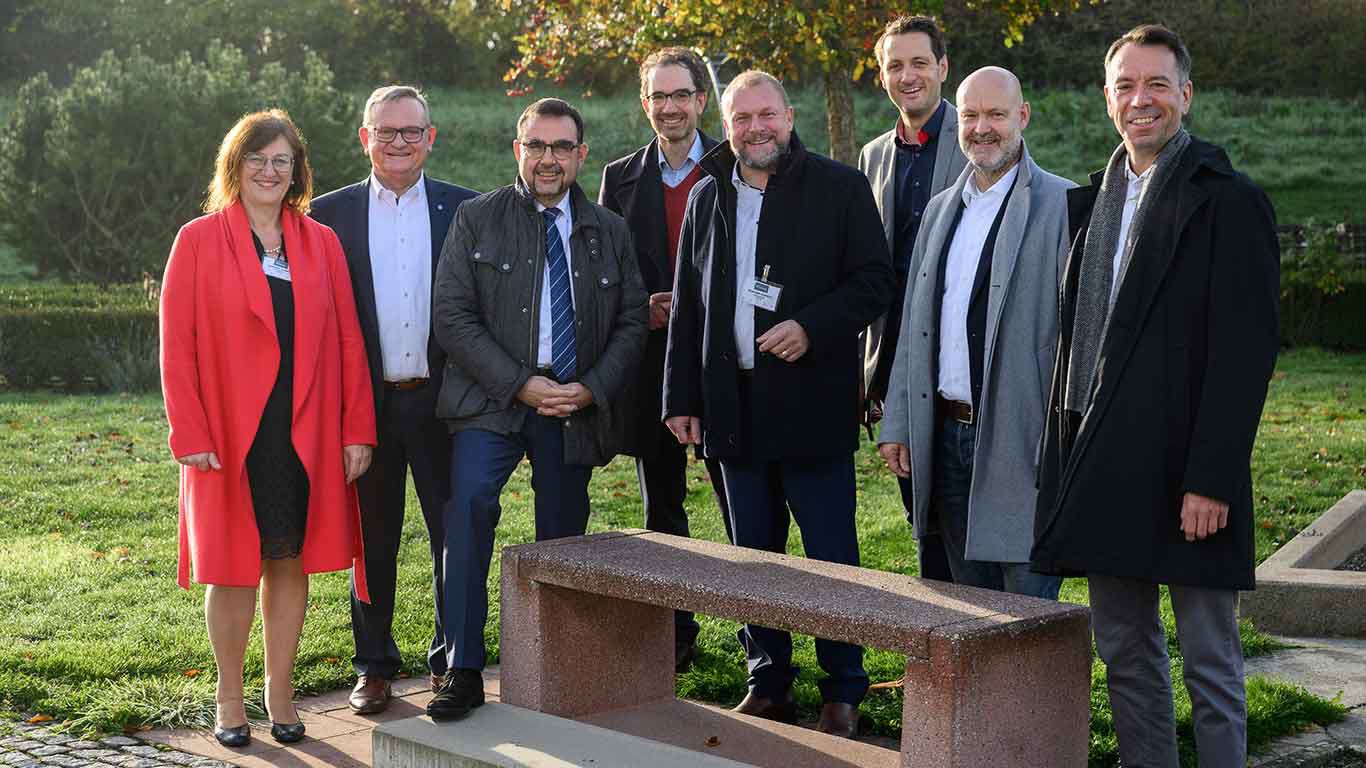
(839, 602)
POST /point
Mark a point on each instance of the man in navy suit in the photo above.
(392, 226)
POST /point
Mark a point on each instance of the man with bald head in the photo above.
(966, 396)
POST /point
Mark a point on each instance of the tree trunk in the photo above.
(839, 115)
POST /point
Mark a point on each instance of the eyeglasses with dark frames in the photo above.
(257, 161)
(411, 133)
(678, 97)
(535, 148)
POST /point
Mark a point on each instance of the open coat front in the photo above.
(1180, 385)
(219, 360)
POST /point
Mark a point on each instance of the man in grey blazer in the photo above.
(969, 387)
(907, 166)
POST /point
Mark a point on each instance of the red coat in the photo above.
(219, 360)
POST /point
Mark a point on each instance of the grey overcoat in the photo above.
(1021, 335)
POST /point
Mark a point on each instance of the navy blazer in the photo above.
(347, 212)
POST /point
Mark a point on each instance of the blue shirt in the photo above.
(914, 175)
(673, 178)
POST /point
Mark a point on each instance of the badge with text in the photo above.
(759, 292)
(276, 267)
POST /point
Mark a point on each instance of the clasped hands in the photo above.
(355, 460)
(552, 399)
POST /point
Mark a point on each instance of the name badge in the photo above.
(759, 292)
(276, 268)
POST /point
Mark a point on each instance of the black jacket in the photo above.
(820, 233)
(347, 212)
(1180, 387)
(486, 315)
(633, 189)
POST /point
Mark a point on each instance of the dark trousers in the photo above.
(934, 560)
(410, 436)
(481, 463)
(953, 459)
(663, 489)
(821, 495)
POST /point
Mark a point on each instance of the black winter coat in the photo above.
(820, 233)
(1182, 379)
(633, 188)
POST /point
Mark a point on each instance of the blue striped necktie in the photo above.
(562, 356)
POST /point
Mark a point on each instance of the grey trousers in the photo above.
(1130, 640)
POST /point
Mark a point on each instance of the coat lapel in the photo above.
(885, 161)
(356, 242)
(1006, 254)
(945, 149)
(312, 299)
(238, 233)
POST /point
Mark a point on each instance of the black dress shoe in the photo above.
(461, 691)
(783, 710)
(233, 738)
(839, 718)
(285, 733)
(684, 655)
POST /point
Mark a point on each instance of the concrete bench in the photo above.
(992, 679)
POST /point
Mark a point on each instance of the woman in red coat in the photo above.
(268, 398)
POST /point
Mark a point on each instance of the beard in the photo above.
(762, 159)
(1010, 153)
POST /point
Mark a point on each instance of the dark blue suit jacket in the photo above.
(347, 212)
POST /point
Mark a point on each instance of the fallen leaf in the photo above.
(331, 660)
(712, 741)
(191, 673)
(120, 551)
(39, 719)
(888, 685)
(96, 554)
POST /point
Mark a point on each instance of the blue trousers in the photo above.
(820, 493)
(952, 487)
(481, 463)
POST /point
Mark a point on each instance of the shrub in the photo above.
(99, 175)
(78, 337)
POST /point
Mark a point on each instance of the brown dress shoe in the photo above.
(839, 719)
(783, 710)
(370, 696)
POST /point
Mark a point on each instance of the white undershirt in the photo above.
(1132, 194)
(401, 270)
(749, 201)
(965, 251)
(545, 355)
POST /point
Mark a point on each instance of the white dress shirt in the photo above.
(673, 178)
(401, 269)
(1132, 194)
(545, 355)
(981, 207)
(748, 203)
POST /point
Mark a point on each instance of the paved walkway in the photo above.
(338, 738)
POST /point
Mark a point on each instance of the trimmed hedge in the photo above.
(78, 338)
(1309, 317)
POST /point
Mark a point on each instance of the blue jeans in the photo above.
(952, 487)
(821, 494)
(481, 463)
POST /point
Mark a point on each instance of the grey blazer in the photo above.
(1021, 335)
(878, 163)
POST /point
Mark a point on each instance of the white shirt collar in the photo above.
(382, 193)
(971, 194)
(563, 205)
(694, 153)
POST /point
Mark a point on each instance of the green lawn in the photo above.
(96, 629)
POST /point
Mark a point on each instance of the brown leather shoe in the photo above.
(839, 719)
(437, 680)
(370, 696)
(783, 710)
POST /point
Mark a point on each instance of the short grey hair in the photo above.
(394, 93)
(749, 79)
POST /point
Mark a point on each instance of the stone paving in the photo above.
(24, 745)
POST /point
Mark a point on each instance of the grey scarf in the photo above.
(1095, 288)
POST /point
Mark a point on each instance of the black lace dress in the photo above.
(279, 484)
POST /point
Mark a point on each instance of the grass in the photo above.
(97, 633)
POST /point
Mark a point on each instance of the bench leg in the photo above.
(1005, 699)
(571, 653)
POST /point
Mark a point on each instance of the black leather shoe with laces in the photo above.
(461, 691)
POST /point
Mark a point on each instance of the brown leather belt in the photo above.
(406, 384)
(959, 412)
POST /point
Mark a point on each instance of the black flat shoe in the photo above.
(287, 734)
(233, 738)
